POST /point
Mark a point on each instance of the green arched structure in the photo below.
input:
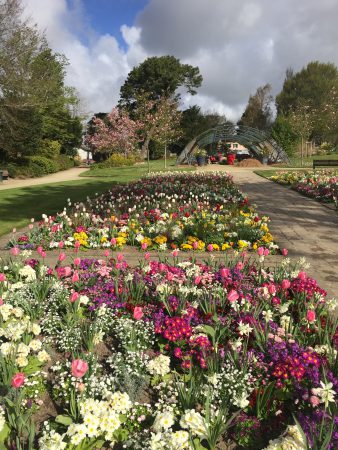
(253, 139)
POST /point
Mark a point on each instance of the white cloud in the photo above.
(238, 45)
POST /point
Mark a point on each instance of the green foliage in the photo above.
(156, 150)
(258, 112)
(315, 86)
(284, 135)
(49, 149)
(158, 76)
(34, 102)
(117, 160)
(46, 165)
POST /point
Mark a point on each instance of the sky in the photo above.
(238, 45)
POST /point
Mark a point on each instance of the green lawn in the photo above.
(307, 162)
(130, 173)
(18, 206)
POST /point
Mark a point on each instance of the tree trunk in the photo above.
(145, 145)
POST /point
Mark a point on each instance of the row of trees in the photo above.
(306, 108)
(38, 113)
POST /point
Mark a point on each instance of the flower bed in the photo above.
(321, 185)
(176, 210)
(183, 356)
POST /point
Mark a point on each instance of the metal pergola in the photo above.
(253, 139)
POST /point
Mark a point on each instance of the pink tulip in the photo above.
(224, 272)
(286, 284)
(175, 253)
(266, 251)
(170, 276)
(15, 251)
(2, 277)
(113, 241)
(106, 253)
(1, 302)
(197, 280)
(43, 254)
(74, 296)
(311, 315)
(77, 244)
(39, 249)
(302, 276)
(275, 301)
(272, 289)
(79, 368)
(118, 266)
(75, 277)
(120, 257)
(62, 256)
(161, 267)
(260, 251)
(147, 256)
(285, 252)
(18, 380)
(210, 248)
(61, 244)
(77, 261)
(239, 266)
(195, 245)
(138, 313)
(233, 296)
(144, 246)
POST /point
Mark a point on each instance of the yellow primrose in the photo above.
(225, 246)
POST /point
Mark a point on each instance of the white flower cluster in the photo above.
(100, 419)
(134, 335)
(231, 385)
(14, 326)
(177, 440)
(160, 365)
(28, 273)
(292, 439)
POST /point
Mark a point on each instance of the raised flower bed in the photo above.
(203, 211)
(183, 356)
(320, 185)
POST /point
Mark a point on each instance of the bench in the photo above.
(4, 175)
(325, 163)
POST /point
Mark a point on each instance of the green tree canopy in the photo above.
(258, 113)
(158, 76)
(315, 86)
(35, 104)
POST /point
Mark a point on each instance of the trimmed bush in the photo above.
(49, 149)
(118, 160)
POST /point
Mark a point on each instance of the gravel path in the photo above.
(64, 175)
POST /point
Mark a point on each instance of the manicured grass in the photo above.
(18, 206)
(307, 162)
(130, 173)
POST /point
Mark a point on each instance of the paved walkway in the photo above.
(302, 225)
(64, 175)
